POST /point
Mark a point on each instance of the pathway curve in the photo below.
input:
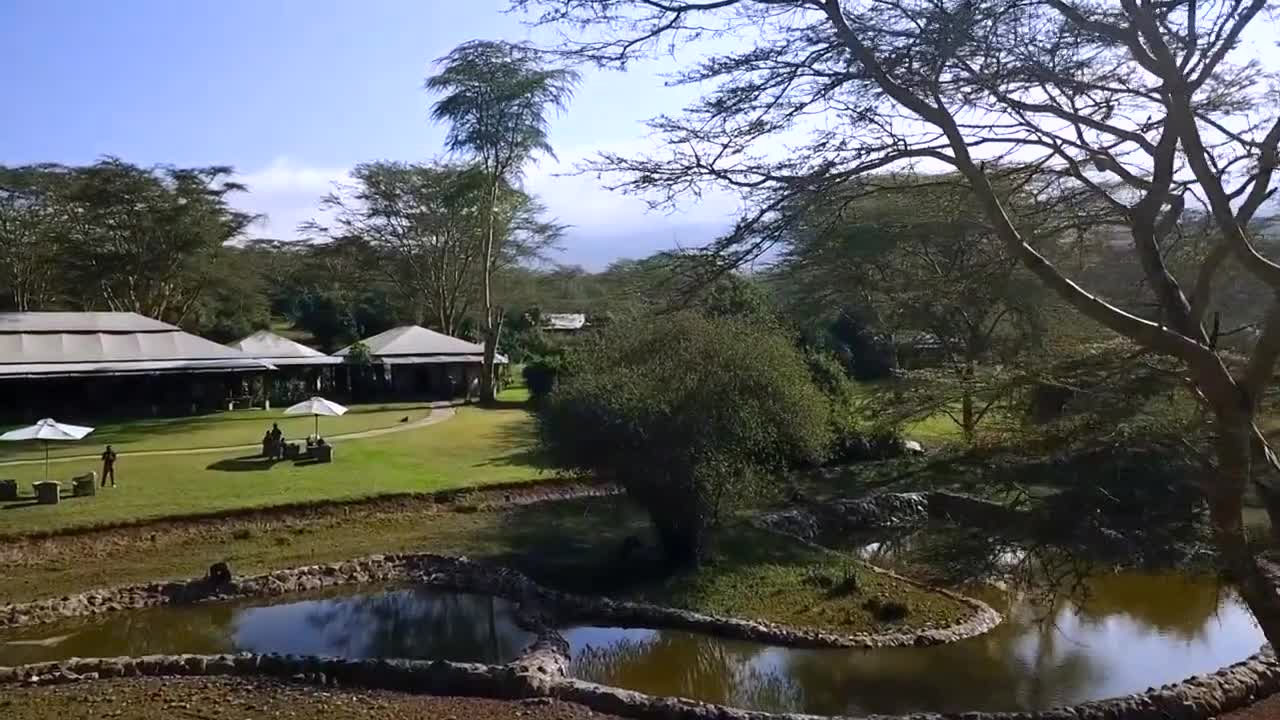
(440, 411)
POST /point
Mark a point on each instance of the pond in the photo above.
(368, 623)
(1133, 631)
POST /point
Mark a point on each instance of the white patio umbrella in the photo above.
(316, 406)
(46, 430)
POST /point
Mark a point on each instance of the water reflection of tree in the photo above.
(1171, 604)
(985, 673)
(188, 629)
(419, 624)
(688, 665)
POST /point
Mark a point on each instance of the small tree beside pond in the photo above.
(690, 415)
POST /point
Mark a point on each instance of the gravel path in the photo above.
(252, 699)
(439, 413)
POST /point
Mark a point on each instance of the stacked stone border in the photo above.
(543, 669)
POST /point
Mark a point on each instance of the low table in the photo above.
(48, 492)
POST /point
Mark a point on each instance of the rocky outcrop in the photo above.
(887, 510)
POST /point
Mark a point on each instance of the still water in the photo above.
(1133, 631)
(417, 623)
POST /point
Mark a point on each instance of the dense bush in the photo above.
(690, 414)
(541, 373)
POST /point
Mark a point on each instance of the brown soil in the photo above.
(246, 699)
(1268, 709)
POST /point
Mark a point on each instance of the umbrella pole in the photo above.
(46, 460)
(317, 417)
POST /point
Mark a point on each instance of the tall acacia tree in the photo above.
(1146, 107)
(147, 239)
(30, 241)
(496, 98)
(425, 226)
(917, 259)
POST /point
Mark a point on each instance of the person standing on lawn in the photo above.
(109, 466)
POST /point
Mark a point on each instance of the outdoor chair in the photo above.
(84, 485)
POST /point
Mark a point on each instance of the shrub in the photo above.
(689, 414)
(887, 610)
(540, 374)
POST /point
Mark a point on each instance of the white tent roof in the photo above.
(80, 322)
(411, 344)
(62, 344)
(564, 321)
(281, 351)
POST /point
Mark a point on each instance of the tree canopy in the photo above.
(1113, 114)
(691, 414)
(496, 98)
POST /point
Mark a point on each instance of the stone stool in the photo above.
(47, 492)
(84, 485)
(8, 490)
(322, 453)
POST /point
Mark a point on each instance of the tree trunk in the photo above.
(1271, 500)
(487, 392)
(682, 544)
(1225, 493)
(967, 422)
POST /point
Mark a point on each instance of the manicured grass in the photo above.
(476, 447)
(241, 427)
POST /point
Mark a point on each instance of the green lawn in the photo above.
(476, 447)
(241, 427)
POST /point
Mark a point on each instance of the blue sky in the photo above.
(294, 92)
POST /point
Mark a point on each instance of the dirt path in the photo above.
(259, 699)
(1268, 709)
(439, 413)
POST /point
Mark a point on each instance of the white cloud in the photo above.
(286, 193)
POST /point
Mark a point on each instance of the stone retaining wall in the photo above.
(541, 673)
(542, 670)
(541, 606)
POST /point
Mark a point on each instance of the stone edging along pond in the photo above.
(542, 671)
